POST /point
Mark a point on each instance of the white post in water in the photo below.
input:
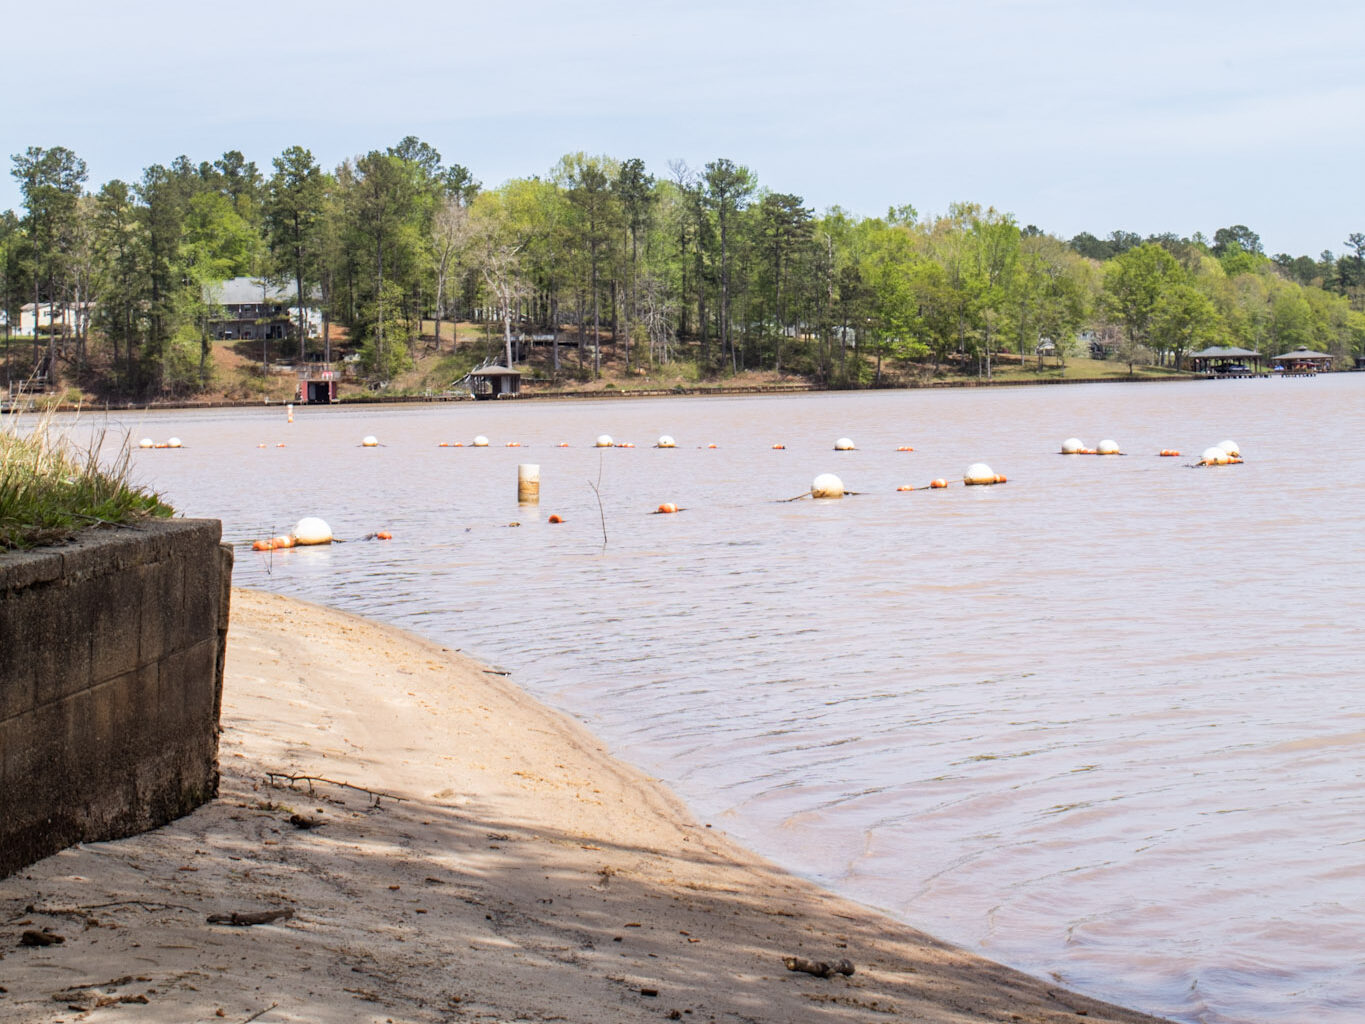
(528, 484)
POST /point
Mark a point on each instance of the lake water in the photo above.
(1105, 723)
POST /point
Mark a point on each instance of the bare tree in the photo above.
(451, 234)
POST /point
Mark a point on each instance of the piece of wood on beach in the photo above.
(244, 920)
(33, 937)
(819, 968)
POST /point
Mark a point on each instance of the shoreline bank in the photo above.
(441, 847)
(615, 393)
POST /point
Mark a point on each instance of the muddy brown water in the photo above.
(1105, 722)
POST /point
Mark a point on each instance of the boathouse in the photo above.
(495, 382)
(317, 384)
(1231, 361)
(1302, 360)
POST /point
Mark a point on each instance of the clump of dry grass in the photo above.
(50, 491)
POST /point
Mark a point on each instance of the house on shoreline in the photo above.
(253, 309)
(1225, 361)
(1302, 360)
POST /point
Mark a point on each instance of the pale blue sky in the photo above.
(1074, 116)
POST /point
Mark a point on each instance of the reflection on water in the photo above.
(1103, 723)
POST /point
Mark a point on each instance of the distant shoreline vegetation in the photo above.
(599, 270)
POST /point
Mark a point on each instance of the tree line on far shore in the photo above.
(700, 264)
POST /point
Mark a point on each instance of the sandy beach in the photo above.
(421, 841)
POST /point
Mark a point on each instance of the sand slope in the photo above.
(492, 863)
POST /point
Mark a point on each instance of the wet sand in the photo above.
(448, 849)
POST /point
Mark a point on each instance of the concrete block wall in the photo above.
(111, 676)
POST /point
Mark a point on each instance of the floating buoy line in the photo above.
(311, 531)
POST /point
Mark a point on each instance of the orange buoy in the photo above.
(713, 445)
(261, 445)
(1088, 451)
(779, 447)
(383, 535)
(940, 482)
(905, 487)
(513, 444)
(555, 519)
(667, 507)
(260, 545)
(563, 444)
(1000, 478)
(280, 445)
(282, 542)
(905, 448)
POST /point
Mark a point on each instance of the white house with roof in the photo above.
(46, 315)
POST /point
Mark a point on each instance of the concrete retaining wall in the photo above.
(111, 675)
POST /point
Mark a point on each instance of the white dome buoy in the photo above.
(311, 530)
(1107, 447)
(1072, 446)
(480, 442)
(844, 444)
(146, 442)
(603, 441)
(1231, 448)
(827, 485)
(667, 442)
(979, 473)
(1215, 456)
(369, 441)
(174, 442)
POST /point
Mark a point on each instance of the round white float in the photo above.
(1072, 446)
(603, 441)
(311, 530)
(827, 485)
(1107, 447)
(979, 473)
(369, 441)
(174, 442)
(146, 442)
(1214, 456)
(844, 444)
(480, 442)
(667, 442)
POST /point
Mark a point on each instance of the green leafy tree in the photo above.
(785, 231)
(164, 194)
(383, 209)
(1133, 286)
(121, 249)
(51, 182)
(1239, 237)
(994, 240)
(728, 188)
(595, 218)
(1050, 295)
(293, 217)
(1183, 320)
(634, 190)
(892, 327)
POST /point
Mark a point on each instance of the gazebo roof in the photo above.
(495, 371)
(1303, 353)
(1223, 353)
